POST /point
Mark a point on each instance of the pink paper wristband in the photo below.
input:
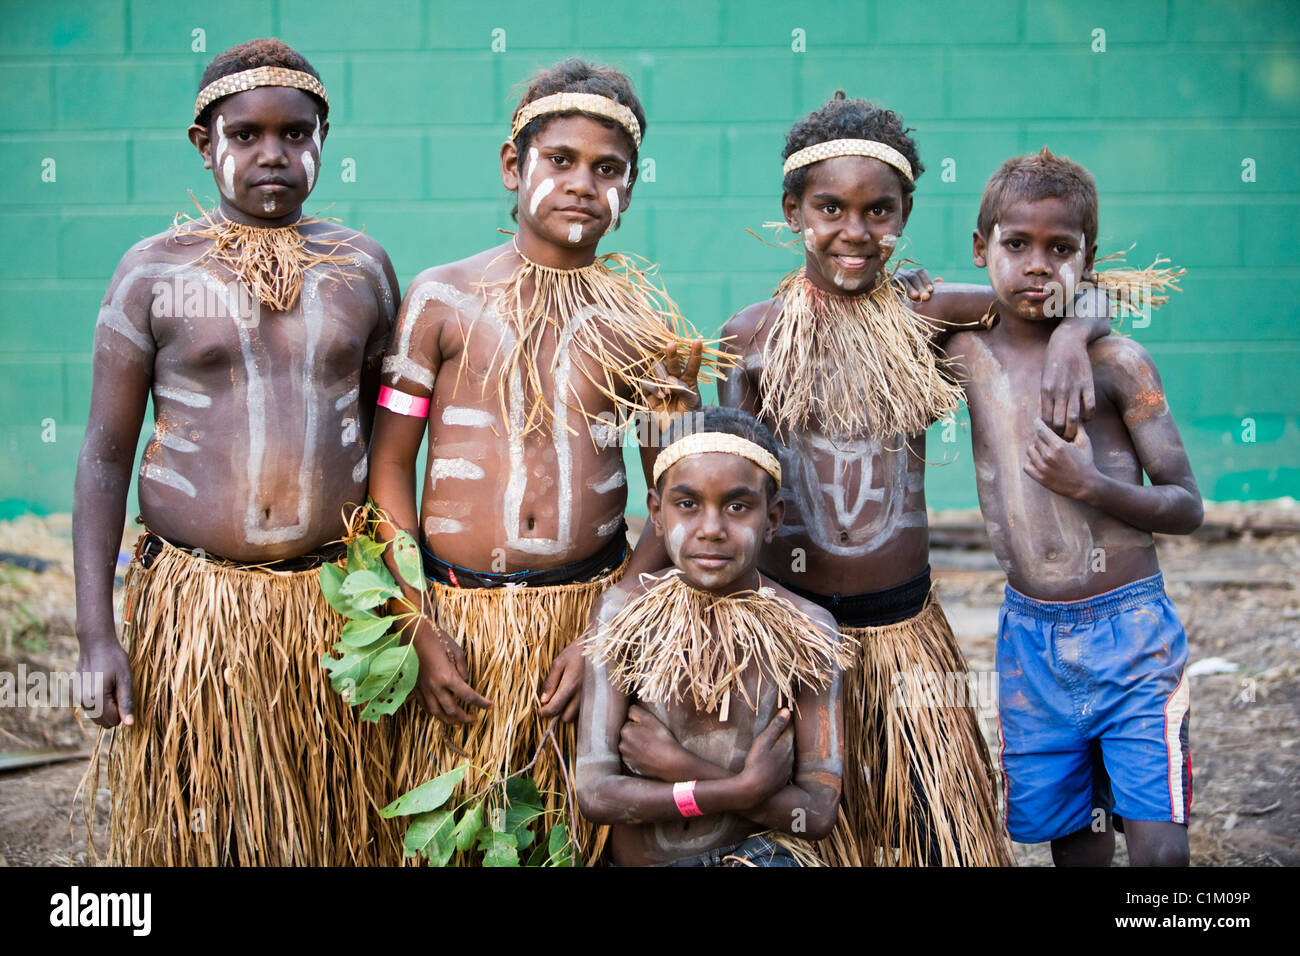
(403, 404)
(684, 797)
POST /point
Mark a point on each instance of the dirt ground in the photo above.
(1235, 585)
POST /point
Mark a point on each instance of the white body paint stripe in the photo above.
(347, 398)
(175, 442)
(434, 526)
(468, 417)
(604, 484)
(462, 468)
(165, 476)
(182, 395)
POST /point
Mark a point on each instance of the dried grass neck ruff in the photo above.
(857, 366)
(271, 262)
(674, 641)
(611, 320)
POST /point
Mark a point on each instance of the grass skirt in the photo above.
(511, 637)
(918, 786)
(241, 753)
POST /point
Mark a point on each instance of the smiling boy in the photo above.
(848, 375)
(1092, 695)
(518, 357)
(711, 701)
(257, 333)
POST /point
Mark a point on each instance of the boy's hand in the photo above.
(1068, 395)
(770, 761)
(105, 683)
(916, 283)
(443, 683)
(649, 748)
(562, 689)
(681, 392)
(1065, 467)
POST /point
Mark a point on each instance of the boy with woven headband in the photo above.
(846, 372)
(519, 357)
(713, 654)
(1090, 650)
(258, 334)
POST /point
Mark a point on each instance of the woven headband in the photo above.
(592, 103)
(848, 147)
(703, 443)
(252, 79)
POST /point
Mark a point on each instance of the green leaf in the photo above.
(410, 563)
(365, 589)
(359, 633)
(518, 816)
(468, 826)
(498, 849)
(351, 671)
(538, 857)
(557, 845)
(429, 795)
(522, 790)
(392, 678)
(431, 835)
(331, 580)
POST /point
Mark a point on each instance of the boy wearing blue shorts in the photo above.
(1092, 695)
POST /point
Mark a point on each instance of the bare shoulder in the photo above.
(744, 327)
(816, 612)
(1119, 353)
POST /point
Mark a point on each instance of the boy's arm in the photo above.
(380, 338)
(810, 800)
(607, 795)
(1068, 395)
(1171, 504)
(410, 367)
(122, 377)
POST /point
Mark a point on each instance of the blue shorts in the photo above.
(1075, 678)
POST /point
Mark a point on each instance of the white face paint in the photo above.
(228, 177)
(887, 244)
(998, 264)
(315, 136)
(542, 192)
(532, 167)
(808, 239)
(269, 204)
(309, 166)
(222, 142)
(838, 278)
(676, 538)
(611, 197)
(627, 176)
(575, 232)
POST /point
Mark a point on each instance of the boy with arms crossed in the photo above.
(745, 674)
(511, 355)
(258, 333)
(1090, 650)
(845, 371)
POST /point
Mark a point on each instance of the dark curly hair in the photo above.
(578, 76)
(842, 118)
(730, 421)
(1038, 176)
(247, 56)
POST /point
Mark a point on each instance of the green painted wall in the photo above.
(1184, 94)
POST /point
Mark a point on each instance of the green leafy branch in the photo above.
(494, 826)
(373, 666)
